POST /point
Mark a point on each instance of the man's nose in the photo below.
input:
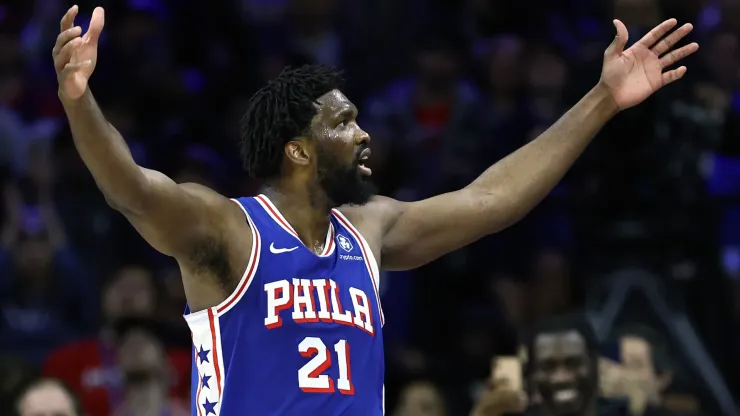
(361, 137)
(562, 375)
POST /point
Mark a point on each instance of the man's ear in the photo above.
(299, 151)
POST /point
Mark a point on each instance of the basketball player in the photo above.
(282, 288)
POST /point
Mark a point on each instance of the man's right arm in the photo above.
(189, 222)
(173, 218)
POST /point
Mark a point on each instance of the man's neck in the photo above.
(308, 214)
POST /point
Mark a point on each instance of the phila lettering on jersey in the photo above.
(302, 332)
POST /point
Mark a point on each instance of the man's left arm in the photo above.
(416, 233)
(419, 232)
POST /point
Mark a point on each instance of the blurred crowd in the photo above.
(445, 88)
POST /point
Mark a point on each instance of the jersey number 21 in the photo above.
(311, 378)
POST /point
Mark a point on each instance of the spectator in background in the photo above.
(90, 366)
(12, 128)
(421, 398)
(503, 75)
(46, 294)
(147, 374)
(645, 377)
(546, 77)
(511, 295)
(434, 115)
(499, 399)
(48, 397)
(501, 395)
(181, 93)
(561, 372)
(89, 222)
(550, 286)
(563, 354)
(313, 34)
(646, 384)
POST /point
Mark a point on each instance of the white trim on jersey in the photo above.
(277, 216)
(244, 282)
(208, 358)
(206, 333)
(367, 253)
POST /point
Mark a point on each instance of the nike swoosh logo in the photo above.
(280, 250)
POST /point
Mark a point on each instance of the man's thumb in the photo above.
(620, 40)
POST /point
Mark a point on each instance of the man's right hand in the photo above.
(500, 399)
(74, 55)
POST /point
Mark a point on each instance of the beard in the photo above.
(343, 184)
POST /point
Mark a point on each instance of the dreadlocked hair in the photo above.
(279, 112)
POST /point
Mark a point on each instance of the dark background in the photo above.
(445, 89)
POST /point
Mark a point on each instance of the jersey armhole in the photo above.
(244, 282)
(367, 251)
(374, 266)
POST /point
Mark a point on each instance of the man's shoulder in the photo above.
(204, 193)
(373, 220)
(376, 212)
(220, 206)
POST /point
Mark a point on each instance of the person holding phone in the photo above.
(635, 367)
(558, 374)
(505, 394)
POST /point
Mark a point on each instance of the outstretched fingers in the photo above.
(67, 39)
(674, 56)
(68, 19)
(65, 55)
(668, 42)
(673, 75)
(64, 38)
(657, 33)
(96, 26)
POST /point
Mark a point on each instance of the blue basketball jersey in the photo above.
(302, 332)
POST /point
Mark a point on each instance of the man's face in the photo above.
(563, 372)
(141, 357)
(637, 357)
(47, 399)
(131, 294)
(340, 148)
(639, 373)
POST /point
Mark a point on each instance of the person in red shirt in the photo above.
(90, 366)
